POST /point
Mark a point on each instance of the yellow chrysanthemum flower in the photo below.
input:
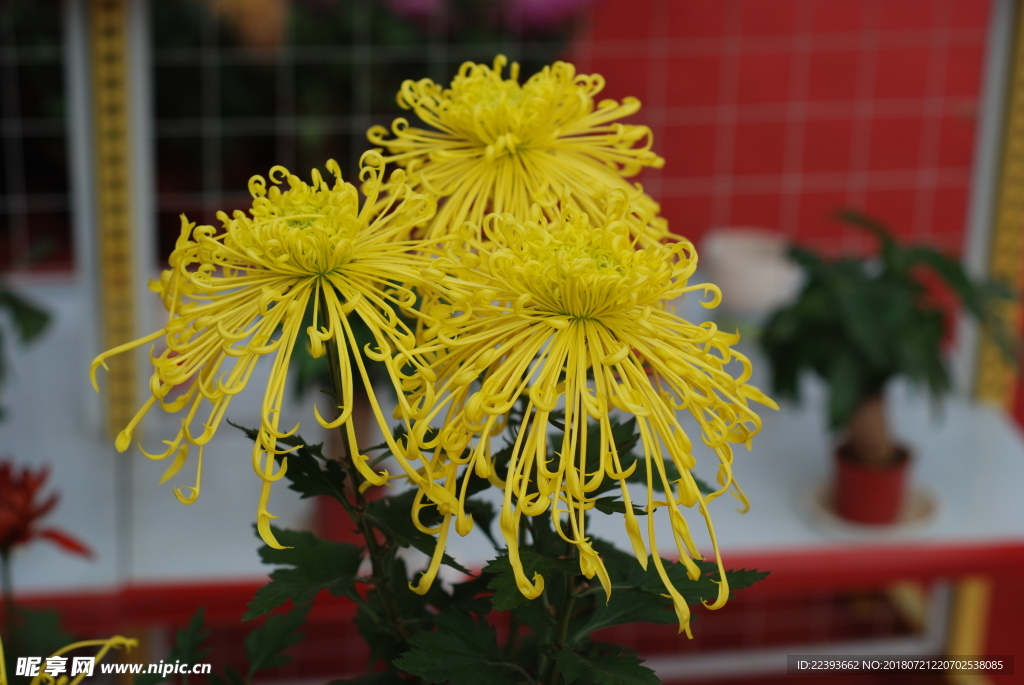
(237, 294)
(571, 316)
(496, 145)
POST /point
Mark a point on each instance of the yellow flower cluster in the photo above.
(537, 276)
(571, 316)
(240, 293)
(496, 145)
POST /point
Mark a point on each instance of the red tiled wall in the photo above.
(773, 113)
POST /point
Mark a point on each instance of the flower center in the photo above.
(576, 271)
(307, 230)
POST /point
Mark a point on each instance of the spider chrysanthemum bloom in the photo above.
(572, 317)
(237, 294)
(495, 145)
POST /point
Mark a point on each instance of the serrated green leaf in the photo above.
(264, 646)
(393, 516)
(626, 573)
(612, 505)
(309, 473)
(29, 320)
(230, 677)
(381, 678)
(460, 651)
(744, 577)
(318, 565)
(37, 632)
(187, 648)
(624, 606)
(622, 669)
(507, 595)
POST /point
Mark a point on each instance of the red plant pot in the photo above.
(870, 493)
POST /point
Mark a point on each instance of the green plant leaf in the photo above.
(265, 646)
(846, 391)
(305, 473)
(38, 632)
(612, 505)
(188, 648)
(460, 651)
(29, 320)
(621, 669)
(381, 642)
(626, 573)
(740, 579)
(380, 678)
(506, 593)
(393, 516)
(625, 606)
(231, 677)
(318, 565)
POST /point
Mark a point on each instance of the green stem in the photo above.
(549, 669)
(379, 553)
(513, 635)
(7, 587)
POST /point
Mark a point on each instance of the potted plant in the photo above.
(858, 323)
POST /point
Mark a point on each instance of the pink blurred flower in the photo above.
(544, 14)
(414, 9)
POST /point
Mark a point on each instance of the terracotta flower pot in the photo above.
(870, 493)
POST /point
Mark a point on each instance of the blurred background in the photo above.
(119, 115)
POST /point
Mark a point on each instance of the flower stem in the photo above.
(7, 587)
(550, 674)
(379, 553)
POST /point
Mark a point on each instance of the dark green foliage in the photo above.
(317, 565)
(28, 321)
(857, 323)
(33, 632)
(612, 669)
(391, 515)
(380, 678)
(188, 648)
(264, 648)
(461, 652)
(444, 636)
(506, 593)
(309, 473)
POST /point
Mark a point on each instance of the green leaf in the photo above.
(318, 565)
(621, 669)
(264, 646)
(611, 505)
(375, 630)
(38, 632)
(846, 390)
(506, 593)
(231, 677)
(393, 516)
(627, 574)
(29, 320)
(305, 474)
(461, 652)
(381, 678)
(626, 606)
(740, 579)
(187, 648)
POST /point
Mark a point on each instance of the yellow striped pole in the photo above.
(108, 28)
(997, 375)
